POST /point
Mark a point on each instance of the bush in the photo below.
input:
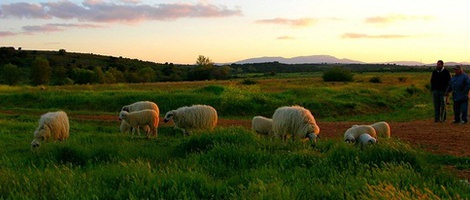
(248, 82)
(375, 79)
(338, 74)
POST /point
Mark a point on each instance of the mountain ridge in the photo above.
(332, 60)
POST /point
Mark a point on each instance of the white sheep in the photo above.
(196, 117)
(53, 126)
(353, 133)
(365, 139)
(295, 121)
(141, 105)
(141, 118)
(382, 129)
(262, 125)
(125, 127)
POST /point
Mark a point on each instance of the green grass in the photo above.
(98, 162)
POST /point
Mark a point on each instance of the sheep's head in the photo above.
(125, 108)
(372, 141)
(350, 139)
(123, 115)
(313, 138)
(39, 136)
(168, 116)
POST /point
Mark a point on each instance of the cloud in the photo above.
(130, 11)
(286, 37)
(302, 22)
(394, 18)
(362, 35)
(7, 33)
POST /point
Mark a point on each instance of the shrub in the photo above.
(402, 79)
(375, 79)
(338, 74)
(248, 82)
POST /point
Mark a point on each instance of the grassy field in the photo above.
(98, 162)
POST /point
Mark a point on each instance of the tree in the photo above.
(40, 71)
(204, 69)
(147, 75)
(11, 74)
(59, 75)
(203, 61)
(98, 75)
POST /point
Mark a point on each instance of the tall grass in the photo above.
(230, 163)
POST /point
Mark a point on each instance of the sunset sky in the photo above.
(228, 30)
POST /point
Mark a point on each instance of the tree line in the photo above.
(63, 68)
(60, 67)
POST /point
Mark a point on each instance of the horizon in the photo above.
(228, 31)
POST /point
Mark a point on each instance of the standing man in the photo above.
(459, 85)
(439, 83)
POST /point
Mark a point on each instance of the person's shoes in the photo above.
(456, 122)
(463, 122)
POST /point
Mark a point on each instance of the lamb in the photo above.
(140, 118)
(295, 121)
(196, 117)
(353, 133)
(365, 139)
(141, 105)
(262, 125)
(53, 126)
(125, 127)
(382, 129)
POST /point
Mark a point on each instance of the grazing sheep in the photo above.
(382, 129)
(365, 139)
(262, 125)
(200, 117)
(353, 133)
(141, 118)
(125, 127)
(53, 126)
(141, 105)
(295, 121)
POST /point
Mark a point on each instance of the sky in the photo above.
(227, 31)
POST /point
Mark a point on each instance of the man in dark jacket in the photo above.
(459, 85)
(439, 82)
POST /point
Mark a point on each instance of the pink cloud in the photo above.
(302, 22)
(285, 37)
(362, 35)
(7, 33)
(101, 11)
(394, 18)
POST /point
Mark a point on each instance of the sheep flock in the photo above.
(287, 122)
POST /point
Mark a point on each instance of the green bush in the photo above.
(338, 74)
(375, 79)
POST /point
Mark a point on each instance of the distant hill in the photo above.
(327, 59)
(301, 60)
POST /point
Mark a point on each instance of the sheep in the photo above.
(195, 117)
(141, 105)
(353, 133)
(365, 139)
(125, 127)
(382, 129)
(53, 126)
(141, 118)
(295, 121)
(262, 125)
